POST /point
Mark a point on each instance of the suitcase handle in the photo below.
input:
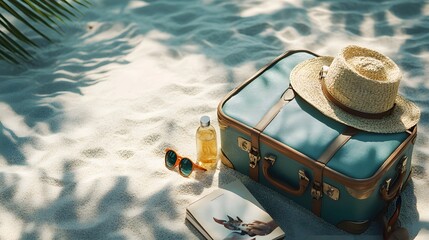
(303, 179)
(388, 192)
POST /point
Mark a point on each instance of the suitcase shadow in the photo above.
(409, 216)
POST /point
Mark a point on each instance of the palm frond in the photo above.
(34, 15)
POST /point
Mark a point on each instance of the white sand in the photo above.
(83, 128)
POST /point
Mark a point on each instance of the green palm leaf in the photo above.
(33, 14)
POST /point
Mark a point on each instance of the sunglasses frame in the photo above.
(179, 160)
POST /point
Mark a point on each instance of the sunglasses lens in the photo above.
(185, 167)
(170, 158)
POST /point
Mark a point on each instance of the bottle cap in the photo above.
(205, 121)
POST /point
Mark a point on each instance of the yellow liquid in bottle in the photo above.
(207, 147)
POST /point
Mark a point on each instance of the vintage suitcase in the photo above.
(343, 175)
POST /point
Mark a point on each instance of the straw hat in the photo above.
(359, 88)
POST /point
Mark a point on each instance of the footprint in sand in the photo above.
(94, 153)
(125, 154)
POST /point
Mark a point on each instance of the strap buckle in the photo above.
(288, 95)
(253, 157)
(246, 145)
(316, 191)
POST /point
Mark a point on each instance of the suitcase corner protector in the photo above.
(354, 227)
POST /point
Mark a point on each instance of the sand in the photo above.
(83, 126)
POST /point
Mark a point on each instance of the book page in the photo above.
(238, 188)
(225, 215)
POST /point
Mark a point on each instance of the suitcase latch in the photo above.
(331, 191)
(244, 144)
(253, 157)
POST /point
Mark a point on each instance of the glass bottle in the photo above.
(206, 144)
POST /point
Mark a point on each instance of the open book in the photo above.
(232, 213)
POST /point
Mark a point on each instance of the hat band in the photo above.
(353, 111)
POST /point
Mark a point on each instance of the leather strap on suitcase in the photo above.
(317, 190)
(254, 156)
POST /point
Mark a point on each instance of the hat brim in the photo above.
(306, 83)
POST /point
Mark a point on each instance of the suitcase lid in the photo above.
(302, 127)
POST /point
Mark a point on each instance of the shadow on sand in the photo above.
(222, 34)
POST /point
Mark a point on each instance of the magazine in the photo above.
(232, 213)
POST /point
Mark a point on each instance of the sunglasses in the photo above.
(186, 166)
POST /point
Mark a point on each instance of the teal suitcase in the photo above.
(343, 175)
